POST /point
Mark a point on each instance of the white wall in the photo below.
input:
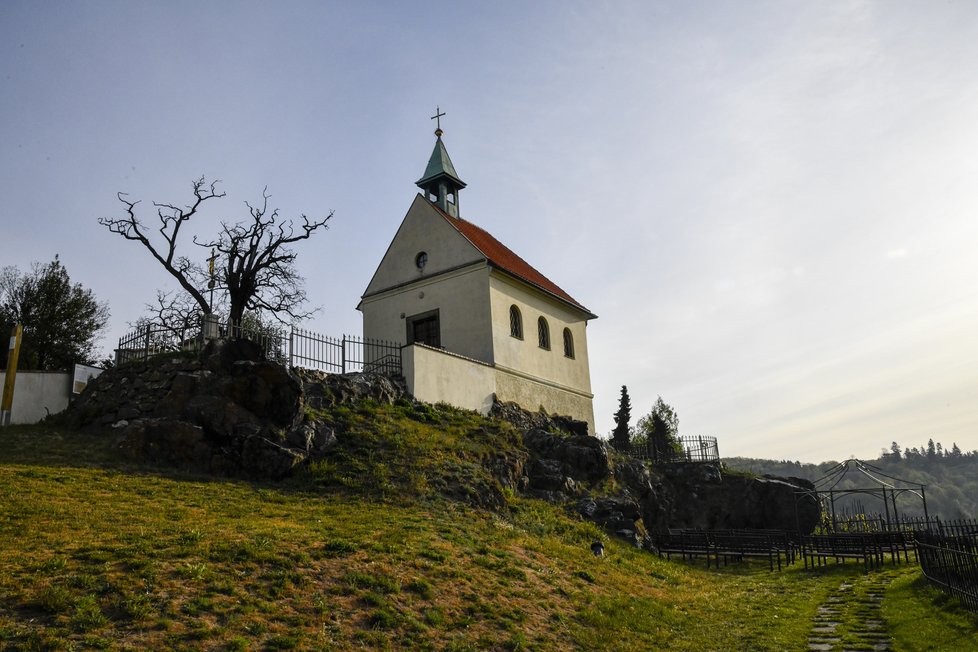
(526, 355)
(423, 229)
(36, 390)
(434, 375)
(461, 298)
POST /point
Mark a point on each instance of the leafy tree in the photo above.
(622, 433)
(255, 265)
(951, 482)
(895, 450)
(661, 430)
(62, 321)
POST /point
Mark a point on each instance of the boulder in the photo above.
(266, 389)
(218, 415)
(548, 475)
(165, 441)
(323, 391)
(527, 421)
(620, 516)
(580, 457)
(264, 458)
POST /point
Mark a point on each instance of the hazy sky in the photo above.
(771, 205)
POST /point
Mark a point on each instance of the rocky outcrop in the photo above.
(630, 498)
(702, 496)
(618, 515)
(226, 411)
(559, 463)
(527, 421)
(230, 412)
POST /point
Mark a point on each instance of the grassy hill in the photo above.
(380, 546)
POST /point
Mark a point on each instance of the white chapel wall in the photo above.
(526, 355)
(461, 299)
(423, 229)
(433, 375)
(532, 394)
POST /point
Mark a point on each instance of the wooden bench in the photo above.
(740, 544)
(727, 545)
(688, 543)
(896, 542)
(818, 548)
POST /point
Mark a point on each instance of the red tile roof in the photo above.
(502, 257)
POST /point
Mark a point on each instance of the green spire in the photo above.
(439, 165)
(440, 181)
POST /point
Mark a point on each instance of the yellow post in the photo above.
(6, 405)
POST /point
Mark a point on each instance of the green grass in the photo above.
(382, 546)
(922, 618)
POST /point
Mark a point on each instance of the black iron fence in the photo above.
(684, 450)
(344, 354)
(951, 563)
(879, 523)
(295, 347)
(145, 341)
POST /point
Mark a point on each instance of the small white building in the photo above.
(479, 321)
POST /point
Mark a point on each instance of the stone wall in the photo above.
(226, 412)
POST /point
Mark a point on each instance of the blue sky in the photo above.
(770, 205)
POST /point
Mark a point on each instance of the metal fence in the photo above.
(341, 355)
(879, 523)
(687, 449)
(295, 347)
(145, 341)
(951, 563)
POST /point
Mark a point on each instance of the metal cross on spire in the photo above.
(437, 117)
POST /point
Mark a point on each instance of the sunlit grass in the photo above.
(919, 617)
(365, 551)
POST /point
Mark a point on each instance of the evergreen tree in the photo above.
(931, 449)
(621, 436)
(895, 449)
(955, 451)
(62, 321)
(661, 428)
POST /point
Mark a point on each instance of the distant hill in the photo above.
(950, 479)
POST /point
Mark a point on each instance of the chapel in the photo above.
(478, 322)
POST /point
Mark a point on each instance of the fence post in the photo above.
(146, 348)
(291, 344)
(343, 355)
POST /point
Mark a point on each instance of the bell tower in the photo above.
(440, 181)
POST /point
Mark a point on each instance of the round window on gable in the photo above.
(421, 260)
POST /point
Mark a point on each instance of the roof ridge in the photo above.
(504, 258)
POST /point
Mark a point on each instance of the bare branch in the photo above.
(171, 219)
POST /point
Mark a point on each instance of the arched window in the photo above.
(568, 343)
(543, 330)
(515, 322)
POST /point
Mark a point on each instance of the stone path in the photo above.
(850, 618)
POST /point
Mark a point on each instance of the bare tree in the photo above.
(176, 312)
(255, 268)
(172, 219)
(259, 266)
